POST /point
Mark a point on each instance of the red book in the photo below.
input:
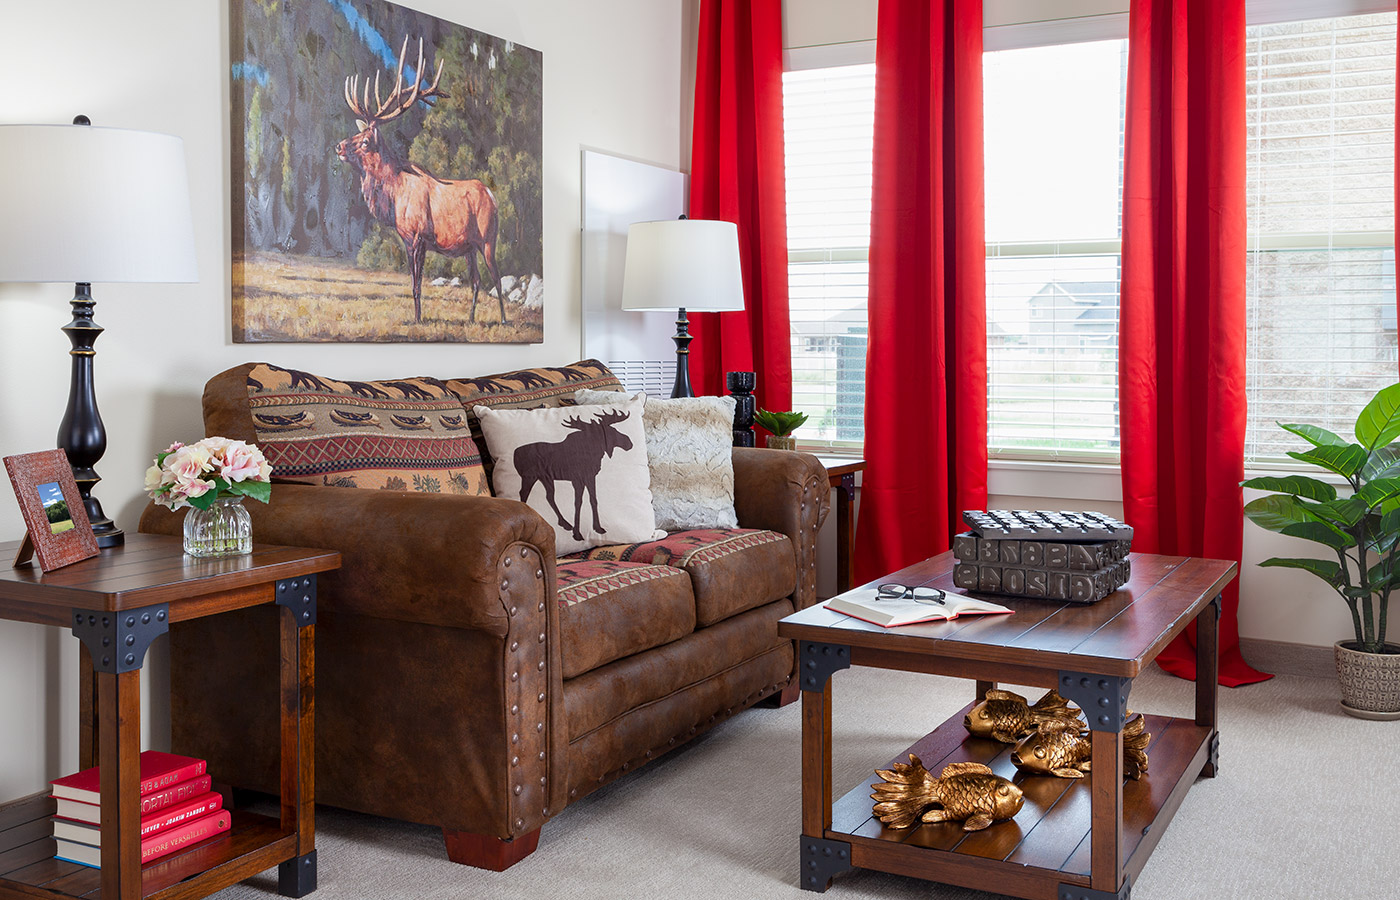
(85, 833)
(91, 812)
(158, 770)
(155, 846)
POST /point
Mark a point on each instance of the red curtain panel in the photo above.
(737, 175)
(1182, 332)
(926, 366)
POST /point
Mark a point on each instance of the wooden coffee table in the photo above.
(1074, 838)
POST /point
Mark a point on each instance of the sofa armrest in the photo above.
(787, 492)
(433, 559)
(482, 567)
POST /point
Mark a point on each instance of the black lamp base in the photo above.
(81, 433)
(682, 337)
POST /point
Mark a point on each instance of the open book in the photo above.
(867, 605)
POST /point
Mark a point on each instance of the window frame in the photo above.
(1096, 22)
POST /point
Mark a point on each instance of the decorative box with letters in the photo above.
(1075, 557)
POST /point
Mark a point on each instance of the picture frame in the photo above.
(59, 531)
(408, 211)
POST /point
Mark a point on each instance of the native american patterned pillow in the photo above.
(404, 435)
(690, 451)
(530, 389)
(583, 468)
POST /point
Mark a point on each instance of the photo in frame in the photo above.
(387, 177)
(59, 531)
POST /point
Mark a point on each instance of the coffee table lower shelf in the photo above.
(1047, 844)
(253, 844)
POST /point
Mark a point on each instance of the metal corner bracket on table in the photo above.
(817, 662)
(823, 860)
(1104, 698)
(299, 596)
(118, 641)
(1074, 892)
(297, 876)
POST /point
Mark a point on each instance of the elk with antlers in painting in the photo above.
(576, 459)
(454, 218)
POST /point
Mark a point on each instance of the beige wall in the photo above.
(612, 82)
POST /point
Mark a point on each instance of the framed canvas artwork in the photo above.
(386, 177)
(59, 531)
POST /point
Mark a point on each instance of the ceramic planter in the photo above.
(1370, 681)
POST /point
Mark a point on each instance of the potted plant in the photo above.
(1362, 532)
(782, 425)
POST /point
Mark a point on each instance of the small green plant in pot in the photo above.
(782, 425)
(1362, 532)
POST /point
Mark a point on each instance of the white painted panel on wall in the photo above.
(617, 192)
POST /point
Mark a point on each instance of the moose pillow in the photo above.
(583, 468)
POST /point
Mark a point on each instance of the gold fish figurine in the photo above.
(967, 792)
(1063, 749)
(1006, 716)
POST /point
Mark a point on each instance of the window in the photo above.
(829, 127)
(1321, 259)
(1054, 163)
(1321, 265)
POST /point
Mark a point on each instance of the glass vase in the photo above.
(781, 442)
(224, 529)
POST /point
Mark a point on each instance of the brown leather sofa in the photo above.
(467, 679)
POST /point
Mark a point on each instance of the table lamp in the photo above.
(683, 264)
(86, 205)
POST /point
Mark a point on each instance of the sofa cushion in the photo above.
(690, 449)
(408, 434)
(529, 389)
(731, 569)
(610, 609)
(583, 468)
(595, 699)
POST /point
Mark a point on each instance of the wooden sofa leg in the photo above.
(488, 852)
(782, 698)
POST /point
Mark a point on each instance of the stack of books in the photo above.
(178, 808)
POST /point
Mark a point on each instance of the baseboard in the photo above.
(1284, 658)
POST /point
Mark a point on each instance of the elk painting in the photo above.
(382, 194)
(456, 218)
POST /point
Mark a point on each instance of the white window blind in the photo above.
(1321, 265)
(829, 131)
(1054, 137)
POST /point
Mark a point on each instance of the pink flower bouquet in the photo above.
(212, 469)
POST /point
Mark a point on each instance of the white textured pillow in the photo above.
(583, 468)
(690, 443)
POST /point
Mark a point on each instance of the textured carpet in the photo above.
(1304, 807)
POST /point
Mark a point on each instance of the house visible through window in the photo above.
(1321, 263)
(1054, 163)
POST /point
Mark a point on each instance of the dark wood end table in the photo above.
(1085, 837)
(117, 603)
(841, 472)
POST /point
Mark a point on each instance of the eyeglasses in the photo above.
(928, 595)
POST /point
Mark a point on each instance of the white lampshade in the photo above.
(690, 264)
(94, 205)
